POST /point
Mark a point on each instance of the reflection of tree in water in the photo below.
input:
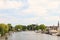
(6, 38)
(12, 36)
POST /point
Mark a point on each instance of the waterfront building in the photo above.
(53, 29)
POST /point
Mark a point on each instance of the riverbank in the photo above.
(4, 37)
(49, 33)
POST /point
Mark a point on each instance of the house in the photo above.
(52, 29)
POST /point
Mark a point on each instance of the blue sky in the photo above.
(30, 12)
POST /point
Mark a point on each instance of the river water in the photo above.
(31, 35)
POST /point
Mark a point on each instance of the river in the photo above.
(31, 35)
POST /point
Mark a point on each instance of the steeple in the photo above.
(58, 23)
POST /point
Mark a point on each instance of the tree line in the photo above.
(5, 28)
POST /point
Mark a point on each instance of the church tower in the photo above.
(58, 23)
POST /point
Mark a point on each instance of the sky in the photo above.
(30, 12)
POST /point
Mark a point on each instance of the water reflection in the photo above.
(31, 35)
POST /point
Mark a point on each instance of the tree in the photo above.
(18, 27)
(37, 28)
(10, 27)
(24, 28)
(42, 27)
(3, 29)
(31, 27)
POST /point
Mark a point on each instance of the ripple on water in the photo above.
(31, 35)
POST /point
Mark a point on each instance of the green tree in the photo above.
(3, 29)
(42, 27)
(24, 28)
(31, 27)
(10, 27)
(37, 28)
(18, 27)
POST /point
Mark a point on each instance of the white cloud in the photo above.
(10, 4)
(53, 5)
(5, 18)
(35, 8)
(51, 18)
(13, 20)
(38, 8)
